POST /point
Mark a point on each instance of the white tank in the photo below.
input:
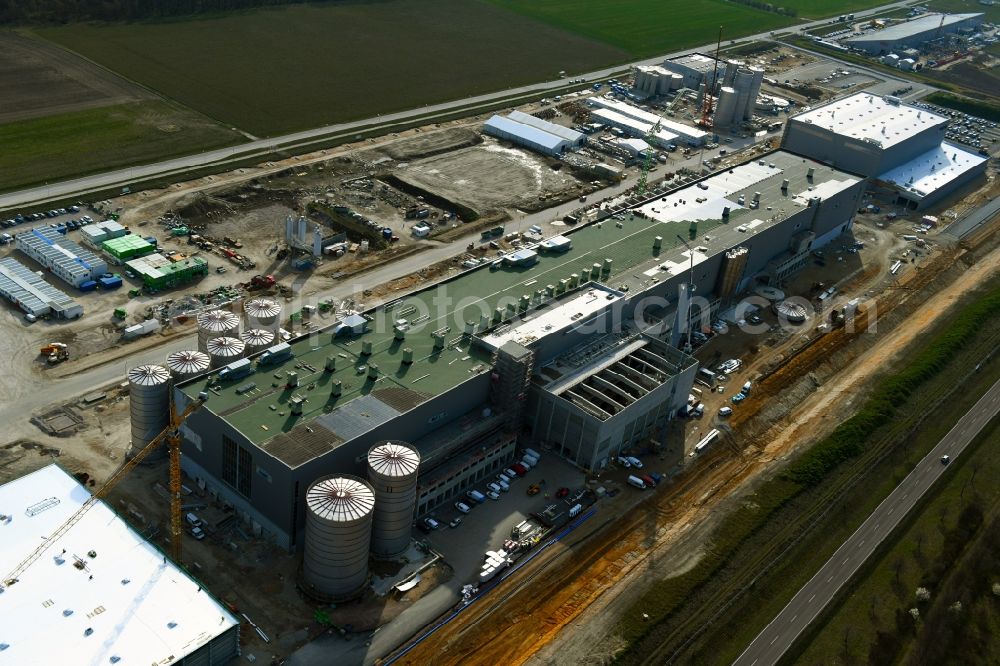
(263, 313)
(791, 311)
(187, 363)
(223, 351)
(726, 112)
(392, 472)
(216, 324)
(339, 512)
(149, 403)
(256, 340)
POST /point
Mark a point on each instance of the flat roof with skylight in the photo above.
(871, 118)
(101, 594)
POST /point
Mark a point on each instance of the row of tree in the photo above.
(70, 11)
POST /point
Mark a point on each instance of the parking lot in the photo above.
(487, 525)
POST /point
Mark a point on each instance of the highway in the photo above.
(260, 147)
(777, 637)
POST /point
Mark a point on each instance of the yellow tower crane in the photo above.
(172, 436)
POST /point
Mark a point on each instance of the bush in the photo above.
(847, 440)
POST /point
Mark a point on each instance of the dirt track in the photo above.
(527, 625)
(40, 79)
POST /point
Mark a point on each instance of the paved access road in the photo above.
(778, 636)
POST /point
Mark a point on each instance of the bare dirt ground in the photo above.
(40, 79)
(489, 177)
(664, 535)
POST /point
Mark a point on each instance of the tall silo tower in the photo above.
(257, 339)
(187, 363)
(392, 472)
(338, 535)
(223, 351)
(263, 313)
(216, 324)
(149, 403)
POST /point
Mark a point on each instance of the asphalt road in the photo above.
(127, 176)
(777, 637)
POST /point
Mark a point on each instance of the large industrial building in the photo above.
(914, 33)
(100, 594)
(60, 256)
(158, 272)
(534, 133)
(642, 120)
(30, 292)
(576, 350)
(887, 140)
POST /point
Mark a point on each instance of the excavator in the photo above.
(172, 436)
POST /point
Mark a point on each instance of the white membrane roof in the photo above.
(933, 170)
(869, 117)
(126, 600)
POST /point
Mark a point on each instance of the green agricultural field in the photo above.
(72, 144)
(816, 9)
(651, 27)
(276, 70)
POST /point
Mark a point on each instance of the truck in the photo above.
(261, 282)
(55, 352)
(275, 354)
(637, 482)
(236, 369)
(145, 328)
(706, 377)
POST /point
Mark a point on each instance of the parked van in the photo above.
(192, 520)
(463, 507)
(746, 387)
(429, 524)
(504, 486)
(495, 487)
(533, 454)
(637, 482)
(575, 511)
(527, 463)
(476, 496)
(624, 462)
(635, 462)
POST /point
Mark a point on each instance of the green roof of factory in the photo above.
(259, 406)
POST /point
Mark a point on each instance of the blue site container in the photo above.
(110, 282)
(89, 285)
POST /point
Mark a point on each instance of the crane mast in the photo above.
(708, 106)
(172, 437)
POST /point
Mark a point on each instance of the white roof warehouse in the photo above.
(101, 594)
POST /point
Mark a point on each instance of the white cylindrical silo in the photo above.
(149, 403)
(256, 340)
(263, 313)
(223, 351)
(216, 324)
(392, 472)
(726, 111)
(339, 512)
(187, 363)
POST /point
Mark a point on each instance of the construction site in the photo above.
(295, 342)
